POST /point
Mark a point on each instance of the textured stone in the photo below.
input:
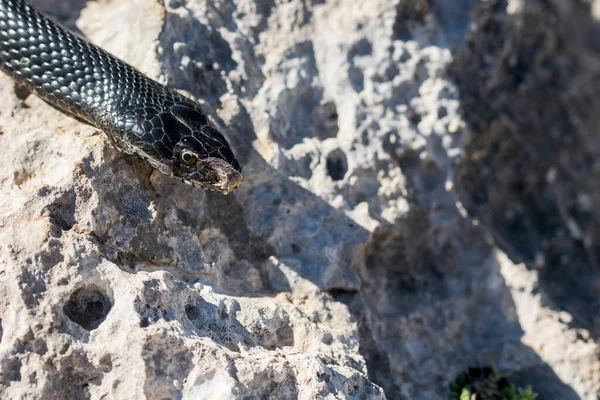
(369, 250)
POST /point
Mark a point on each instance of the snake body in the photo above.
(140, 116)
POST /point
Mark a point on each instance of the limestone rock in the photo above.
(347, 265)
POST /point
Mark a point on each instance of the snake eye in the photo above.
(188, 157)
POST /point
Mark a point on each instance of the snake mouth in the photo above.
(215, 174)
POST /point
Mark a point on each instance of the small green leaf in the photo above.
(466, 394)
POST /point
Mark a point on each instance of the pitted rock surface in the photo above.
(364, 256)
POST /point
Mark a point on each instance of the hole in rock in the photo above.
(337, 164)
(87, 307)
(325, 119)
(342, 294)
(21, 92)
(192, 312)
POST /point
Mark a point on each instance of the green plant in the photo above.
(487, 384)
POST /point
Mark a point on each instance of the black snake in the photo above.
(140, 116)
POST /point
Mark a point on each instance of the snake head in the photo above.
(220, 172)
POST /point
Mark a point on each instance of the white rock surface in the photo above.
(345, 266)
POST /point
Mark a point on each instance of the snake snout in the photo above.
(232, 181)
(216, 174)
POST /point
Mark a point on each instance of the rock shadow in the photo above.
(452, 18)
(528, 85)
(432, 301)
(65, 12)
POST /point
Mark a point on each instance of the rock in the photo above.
(529, 82)
(349, 263)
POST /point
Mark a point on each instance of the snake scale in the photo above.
(141, 117)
